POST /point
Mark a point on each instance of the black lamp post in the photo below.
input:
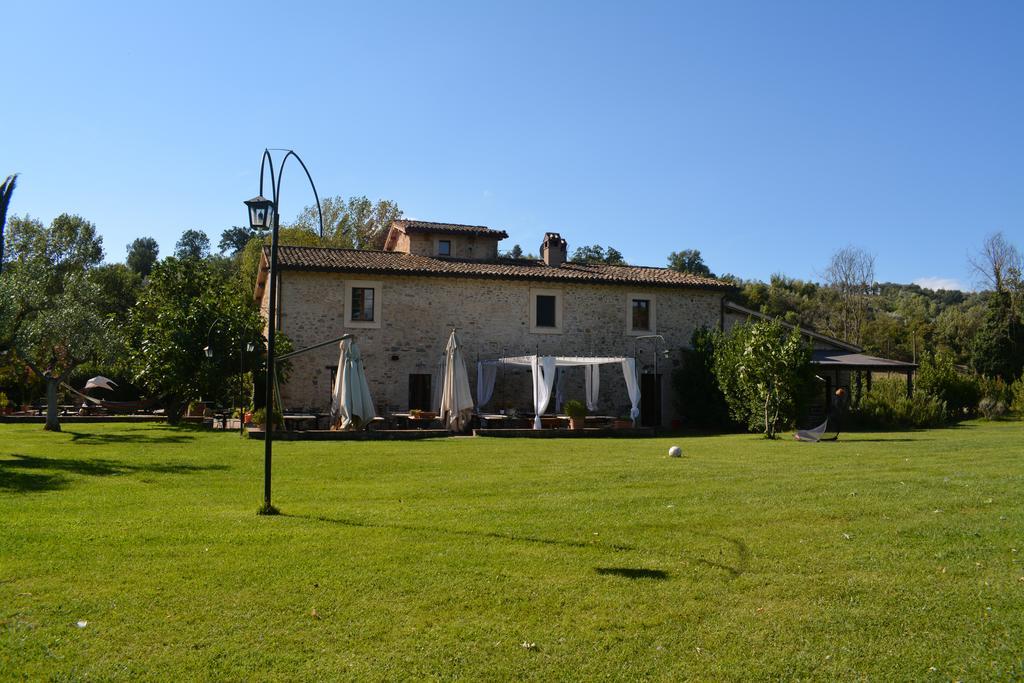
(265, 214)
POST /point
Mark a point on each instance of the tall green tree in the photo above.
(193, 244)
(49, 295)
(764, 371)
(353, 223)
(142, 255)
(689, 261)
(997, 349)
(234, 239)
(187, 305)
(596, 254)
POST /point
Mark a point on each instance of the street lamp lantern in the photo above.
(250, 347)
(208, 350)
(260, 213)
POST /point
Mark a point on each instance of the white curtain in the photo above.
(486, 375)
(543, 380)
(593, 385)
(632, 387)
(559, 388)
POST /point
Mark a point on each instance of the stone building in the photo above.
(402, 302)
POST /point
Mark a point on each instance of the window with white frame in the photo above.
(641, 314)
(363, 302)
(546, 311)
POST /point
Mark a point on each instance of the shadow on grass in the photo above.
(12, 478)
(742, 557)
(455, 532)
(632, 572)
(132, 437)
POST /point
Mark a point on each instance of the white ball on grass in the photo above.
(675, 452)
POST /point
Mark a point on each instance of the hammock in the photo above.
(812, 435)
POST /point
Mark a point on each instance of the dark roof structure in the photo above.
(858, 361)
(320, 259)
(743, 310)
(411, 227)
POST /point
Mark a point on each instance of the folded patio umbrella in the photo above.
(456, 399)
(351, 403)
(100, 382)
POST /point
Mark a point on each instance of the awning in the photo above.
(835, 359)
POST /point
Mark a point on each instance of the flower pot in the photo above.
(577, 422)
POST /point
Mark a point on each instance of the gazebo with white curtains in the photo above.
(544, 369)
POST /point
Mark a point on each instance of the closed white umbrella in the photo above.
(351, 404)
(456, 399)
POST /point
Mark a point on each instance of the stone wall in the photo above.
(416, 314)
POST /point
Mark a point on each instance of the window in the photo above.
(642, 314)
(444, 247)
(545, 311)
(362, 304)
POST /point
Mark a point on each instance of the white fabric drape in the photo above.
(632, 387)
(486, 375)
(351, 402)
(559, 388)
(593, 385)
(456, 399)
(543, 368)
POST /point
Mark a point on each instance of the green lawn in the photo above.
(882, 556)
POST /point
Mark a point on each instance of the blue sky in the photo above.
(767, 135)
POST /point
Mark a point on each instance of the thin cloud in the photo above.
(937, 283)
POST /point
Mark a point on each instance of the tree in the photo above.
(764, 373)
(515, 252)
(118, 288)
(998, 264)
(6, 191)
(235, 238)
(689, 261)
(596, 254)
(355, 223)
(850, 277)
(997, 349)
(193, 244)
(698, 397)
(48, 294)
(142, 253)
(187, 304)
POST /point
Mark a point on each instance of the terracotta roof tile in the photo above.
(410, 226)
(400, 263)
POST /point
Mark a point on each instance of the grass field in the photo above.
(883, 556)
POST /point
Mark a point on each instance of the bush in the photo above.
(1017, 397)
(886, 406)
(992, 408)
(938, 377)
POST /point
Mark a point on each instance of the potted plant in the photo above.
(5, 404)
(624, 422)
(577, 413)
(259, 418)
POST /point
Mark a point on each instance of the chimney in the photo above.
(553, 249)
